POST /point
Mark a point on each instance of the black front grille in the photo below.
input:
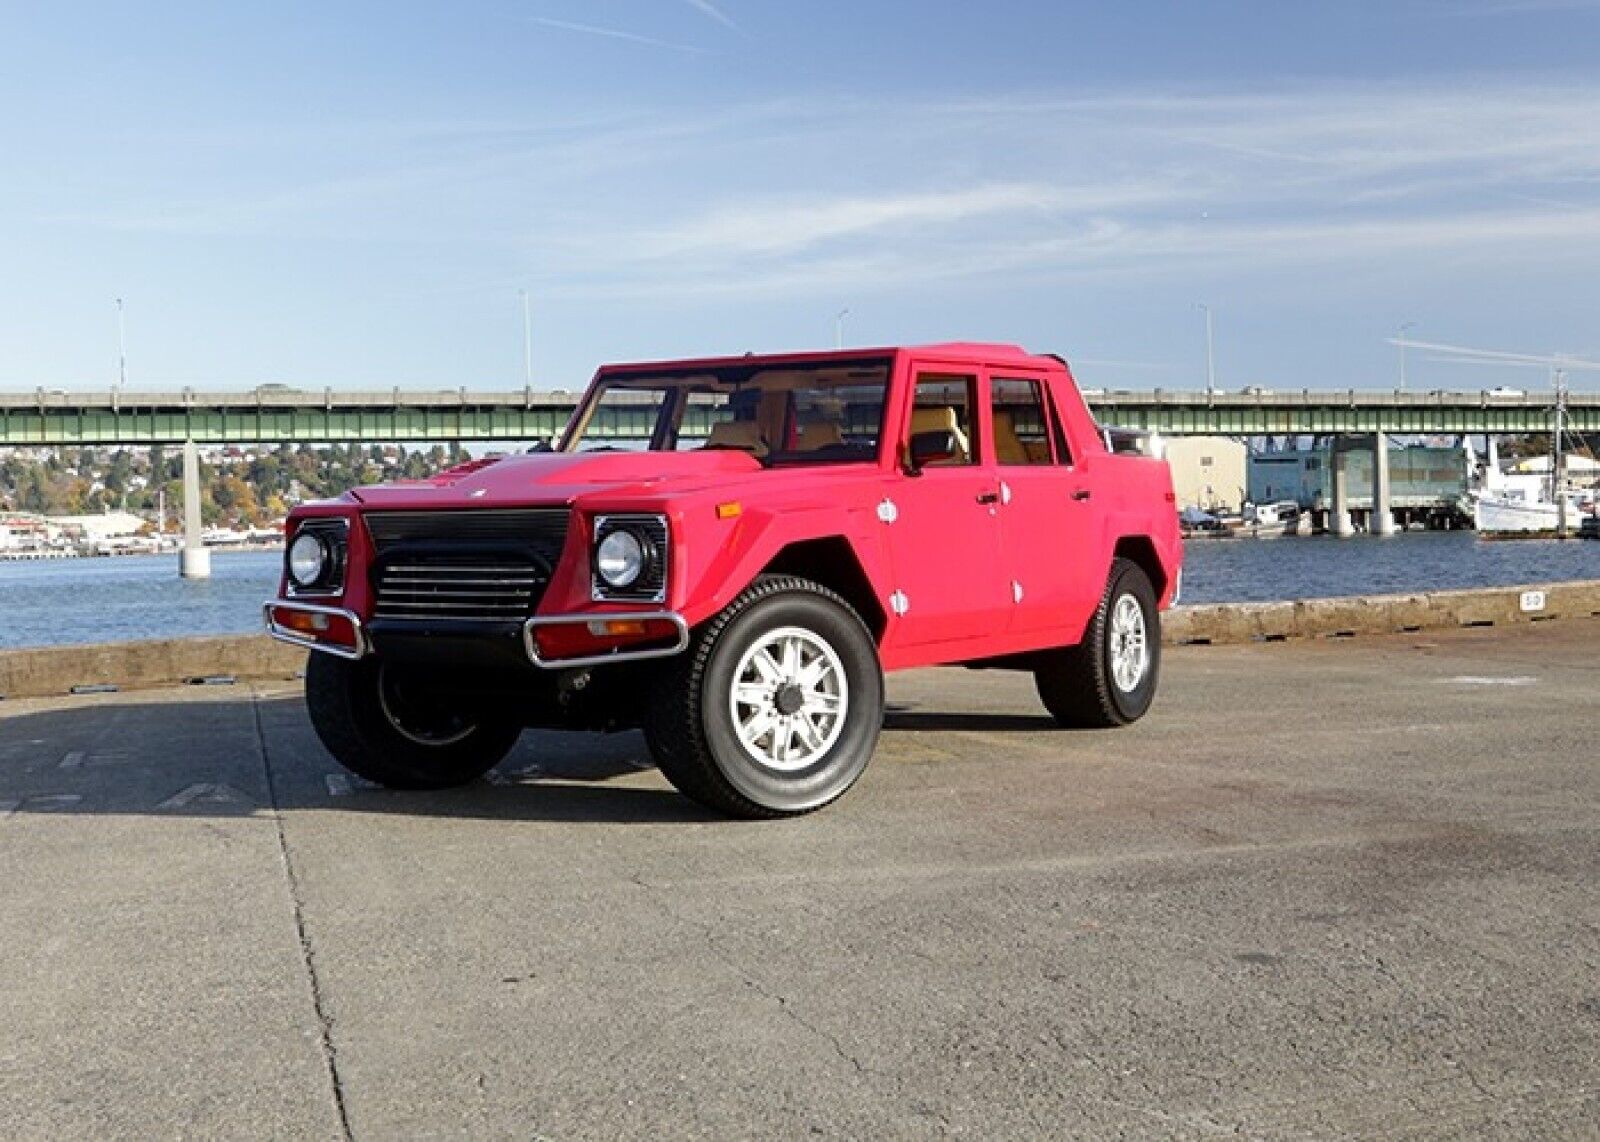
(542, 529)
(473, 566)
(501, 591)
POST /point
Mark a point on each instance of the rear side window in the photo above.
(1023, 426)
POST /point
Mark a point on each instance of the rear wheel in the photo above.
(775, 708)
(387, 724)
(1108, 679)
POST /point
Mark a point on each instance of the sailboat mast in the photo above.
(1558, 458)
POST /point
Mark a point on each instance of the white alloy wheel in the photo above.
(789, 699)
(1130, 655)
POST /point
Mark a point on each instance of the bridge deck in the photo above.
(54, 417)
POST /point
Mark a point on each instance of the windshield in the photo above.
(826, 412)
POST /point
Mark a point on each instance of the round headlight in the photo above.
(620, 558)
(308, 559)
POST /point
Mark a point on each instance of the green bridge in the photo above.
(274, 415)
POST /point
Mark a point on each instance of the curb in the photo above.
(102, 668)
(1230, 623)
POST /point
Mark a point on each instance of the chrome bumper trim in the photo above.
(621, 654)
(283, 635)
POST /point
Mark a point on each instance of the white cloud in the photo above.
(826, 195)
(611, 34)
(716, 13)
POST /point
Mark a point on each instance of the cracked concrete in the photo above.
(1323, 891)
(308, 956)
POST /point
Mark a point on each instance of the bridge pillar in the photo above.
(1382, 517)
(194, 562)
(1339, 510)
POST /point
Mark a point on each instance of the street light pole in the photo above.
(527, 340)
(838, 328)
(1400, 340)
(122, 348)
(1211, 353)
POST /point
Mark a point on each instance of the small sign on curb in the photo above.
(1531, 601)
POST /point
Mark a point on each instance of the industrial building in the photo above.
(1208, 472)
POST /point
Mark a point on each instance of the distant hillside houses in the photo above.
(97, 528)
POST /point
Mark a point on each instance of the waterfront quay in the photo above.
(1330, 887)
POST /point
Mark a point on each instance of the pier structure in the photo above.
(194, 562)
(1380, 518)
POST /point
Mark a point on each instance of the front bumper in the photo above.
(606, 637)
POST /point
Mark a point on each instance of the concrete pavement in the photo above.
(1328, 888)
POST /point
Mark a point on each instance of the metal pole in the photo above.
(1558, 459)
(1400, 340)
(1211, 355)
(527, 339)
(122, 348)
(838, 328)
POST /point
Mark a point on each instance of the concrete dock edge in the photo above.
(58, 670)
(1223, 623)
(55, 670)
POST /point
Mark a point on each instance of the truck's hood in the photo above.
(559, 477)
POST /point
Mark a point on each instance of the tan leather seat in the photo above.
(943, 419)
(1008, 446)
(819, 435)
(742, 434)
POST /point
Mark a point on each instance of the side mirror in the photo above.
(933, 448)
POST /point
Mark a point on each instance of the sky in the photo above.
(356, 194)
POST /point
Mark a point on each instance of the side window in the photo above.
(940, 435)
(1022, 424)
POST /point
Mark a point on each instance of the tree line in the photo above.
(239, 488)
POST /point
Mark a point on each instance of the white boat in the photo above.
(1519, 503)
(1528, 510)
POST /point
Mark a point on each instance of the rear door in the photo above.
(1048, 534)
(944, 529)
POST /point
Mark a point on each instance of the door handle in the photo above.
(1082, 494)
(988, 497)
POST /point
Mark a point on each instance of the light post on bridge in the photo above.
(1211, 355)
(527, 339)
(1400, 340)
(122, 349)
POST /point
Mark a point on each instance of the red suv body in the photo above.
(905, 507)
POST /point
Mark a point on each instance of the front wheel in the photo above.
(1108, 679)
(775, 708)
(387, 724)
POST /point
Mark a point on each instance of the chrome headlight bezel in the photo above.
(649, 535)
(331, 537)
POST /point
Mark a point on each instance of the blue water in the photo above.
(1260, 570)
(107, 600)
(52, 602)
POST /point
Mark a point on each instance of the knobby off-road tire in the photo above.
(775, 707)
(383, 726)
(1108, 679)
